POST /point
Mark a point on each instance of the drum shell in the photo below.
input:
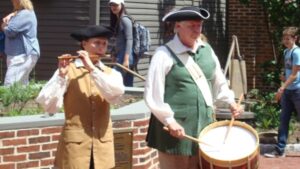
(250, 161)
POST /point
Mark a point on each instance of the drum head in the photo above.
(241, 142)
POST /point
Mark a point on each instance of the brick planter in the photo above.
(31, 141)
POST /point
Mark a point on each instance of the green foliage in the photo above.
(15, 98)
(27, 111)
(265, 108)
(271, 75)
(2, 91)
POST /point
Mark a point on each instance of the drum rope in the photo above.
(200, 159)
(249, 162)
(211, 165)
(230, 166)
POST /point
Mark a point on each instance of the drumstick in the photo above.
(232, 119)
(192, 138)
(127, 69)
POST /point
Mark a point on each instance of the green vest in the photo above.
(187, 102)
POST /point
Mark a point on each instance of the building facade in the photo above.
(56, 19)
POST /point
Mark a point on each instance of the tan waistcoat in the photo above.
(88, 127)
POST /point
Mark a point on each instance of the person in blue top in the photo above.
(120, 21)
(289, 92)
(21, 43)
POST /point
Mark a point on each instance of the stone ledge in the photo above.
(226, 114)
(134, 90)
(134, 111)
(290, 148)
(293, 148)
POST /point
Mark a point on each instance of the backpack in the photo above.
(141, 40)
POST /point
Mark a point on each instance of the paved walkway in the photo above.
(291, 161)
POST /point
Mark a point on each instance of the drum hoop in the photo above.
(233, 163)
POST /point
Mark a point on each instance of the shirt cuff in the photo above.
(230, 101)
(96, 73)
(169, 120)
(62, 80)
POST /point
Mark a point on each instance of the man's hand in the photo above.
(236, 109)
(86, 60)
(176, 130)
(63, 66)
(279, 94)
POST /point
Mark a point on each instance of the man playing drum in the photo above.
(184, 79)
(86, 87)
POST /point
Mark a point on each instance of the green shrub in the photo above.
(19, 99)
(265, 108)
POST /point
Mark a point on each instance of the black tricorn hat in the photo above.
(187, 13)
(91, 32)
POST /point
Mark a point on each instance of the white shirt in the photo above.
(110, 85)
(161, 64)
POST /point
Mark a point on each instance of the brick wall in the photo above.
(28, 148)
(36, 147)
(250, 26)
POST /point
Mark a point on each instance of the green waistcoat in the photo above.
(187, 102)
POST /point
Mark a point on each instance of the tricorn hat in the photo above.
(187, 13)
(91, 32)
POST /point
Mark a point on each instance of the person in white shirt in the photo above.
(184, 79)
(85, 86)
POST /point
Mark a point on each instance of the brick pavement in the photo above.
(291, 161)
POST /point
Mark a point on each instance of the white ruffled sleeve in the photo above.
(110, 84)
(160, 65)
(51, 95)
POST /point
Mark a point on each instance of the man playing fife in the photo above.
(86, 87)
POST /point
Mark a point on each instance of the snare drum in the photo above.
(240, 151)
